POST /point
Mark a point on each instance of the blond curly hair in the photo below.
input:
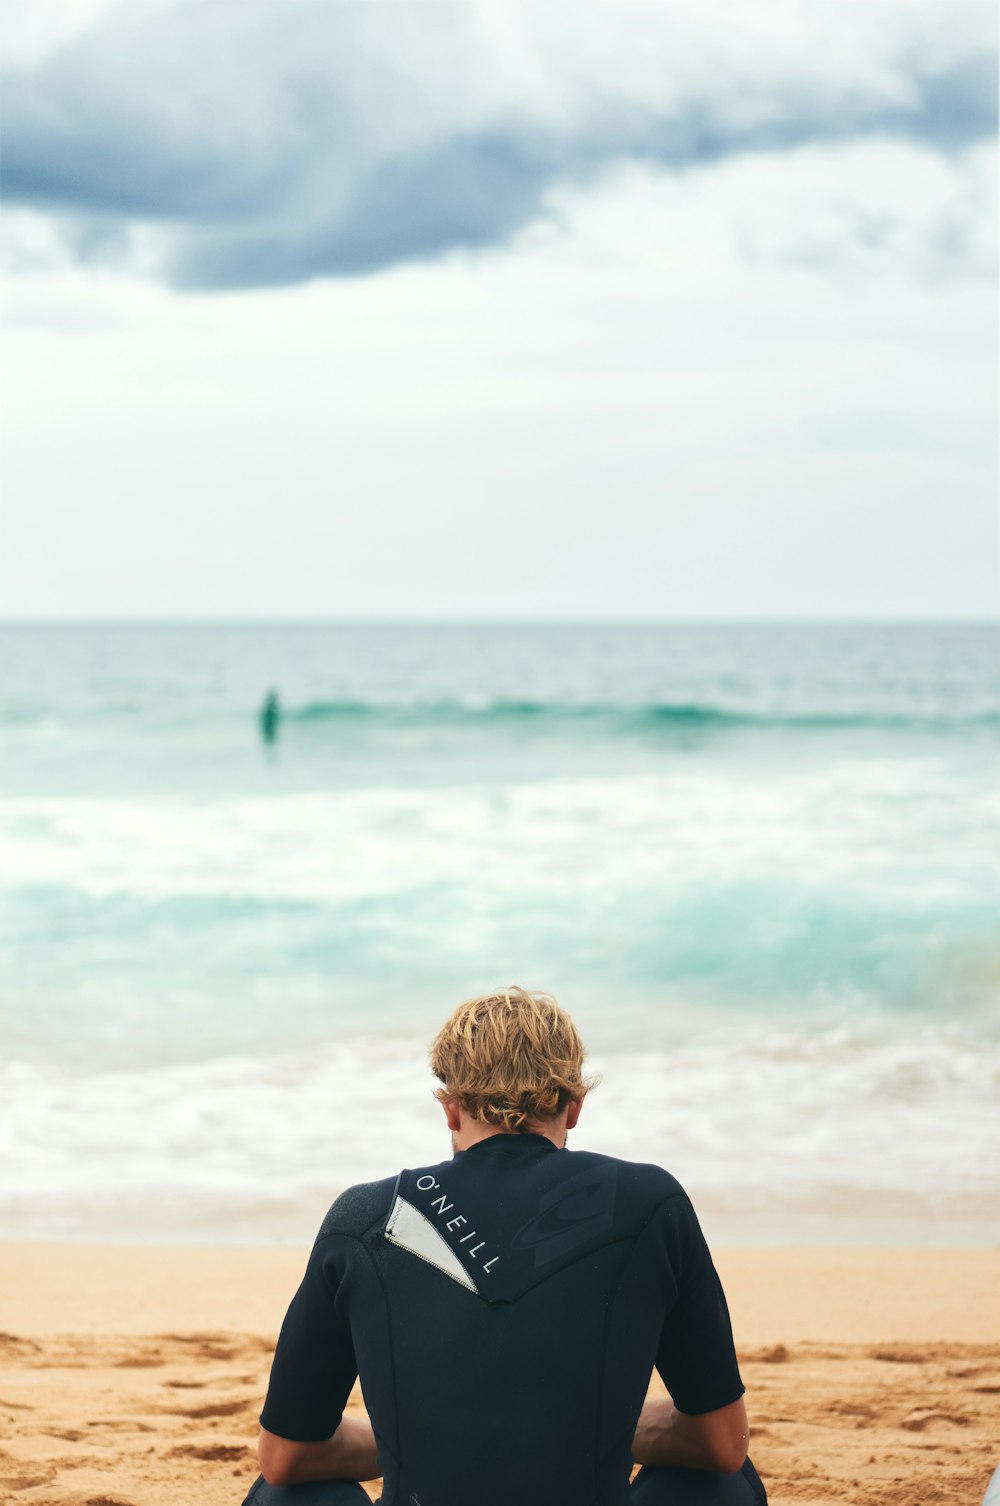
(510, 1059)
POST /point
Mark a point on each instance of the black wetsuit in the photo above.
(505, 1310)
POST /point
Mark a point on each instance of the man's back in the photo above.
(505, 1310)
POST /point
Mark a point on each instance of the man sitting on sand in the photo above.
(505, 1309)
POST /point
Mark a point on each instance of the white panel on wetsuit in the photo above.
(407, 1227)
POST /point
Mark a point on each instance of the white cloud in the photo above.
(858, 212)
(627, 417)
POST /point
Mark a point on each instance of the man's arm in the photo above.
(304, 1433)
(350, 1454)
(702, 1424)
(705, 1440)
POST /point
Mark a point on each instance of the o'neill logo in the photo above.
(569, 1215)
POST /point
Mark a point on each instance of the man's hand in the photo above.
(707, 1440)
(350, 1454)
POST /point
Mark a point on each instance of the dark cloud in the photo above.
(953, 108)
(277, 145)
(957, 106)
(461, 194)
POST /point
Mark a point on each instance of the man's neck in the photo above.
(472, 1131)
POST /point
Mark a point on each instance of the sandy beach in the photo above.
(133, 1375)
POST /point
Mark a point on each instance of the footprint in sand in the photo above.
(224, 1452)
(10, 1341)
(126, 1424)
(219, 1409)
(860, 1411)
(924, 1416)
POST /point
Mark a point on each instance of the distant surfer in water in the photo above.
(270, 717)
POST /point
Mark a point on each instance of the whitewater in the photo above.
(759, 864)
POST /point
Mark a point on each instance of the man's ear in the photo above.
(452, 1113)
(573, 1112)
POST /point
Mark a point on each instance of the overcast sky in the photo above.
(493, 309)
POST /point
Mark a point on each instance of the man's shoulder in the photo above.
(643, 1200)
(358, 1209)
(643, 1178)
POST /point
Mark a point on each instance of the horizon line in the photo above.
(420, 620)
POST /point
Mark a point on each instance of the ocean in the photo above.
(759, 864)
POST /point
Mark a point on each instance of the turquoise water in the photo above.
(771, 854)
